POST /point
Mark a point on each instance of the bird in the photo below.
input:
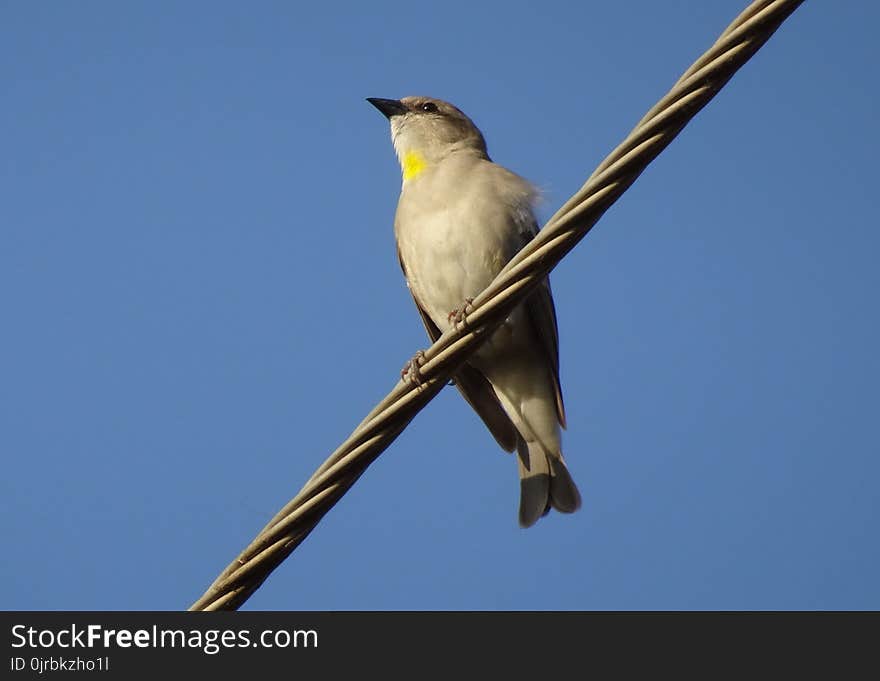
(460, 218)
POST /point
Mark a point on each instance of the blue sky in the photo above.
(201, 299)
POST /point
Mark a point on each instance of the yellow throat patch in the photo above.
(412, 164)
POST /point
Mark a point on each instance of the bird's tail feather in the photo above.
(564, 494)
(544, 483)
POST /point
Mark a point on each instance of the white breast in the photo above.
(456, 227)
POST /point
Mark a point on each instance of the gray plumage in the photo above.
(460, 218)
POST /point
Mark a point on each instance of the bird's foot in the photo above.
(410, 371)
(459, 315)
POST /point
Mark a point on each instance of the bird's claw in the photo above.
(410, 371)
(459, 314)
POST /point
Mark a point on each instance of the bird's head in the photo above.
(425, 130)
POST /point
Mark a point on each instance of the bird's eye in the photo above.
(429, 107)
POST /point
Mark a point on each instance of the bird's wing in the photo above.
(478, 392)
(542, 314)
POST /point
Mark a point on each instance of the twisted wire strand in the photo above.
(696, 87)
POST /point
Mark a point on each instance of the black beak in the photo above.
(389, 107)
